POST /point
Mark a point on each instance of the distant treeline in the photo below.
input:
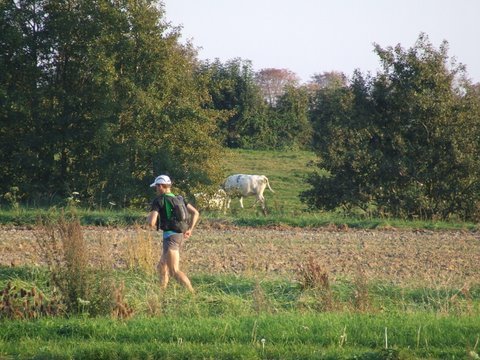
(100, 97)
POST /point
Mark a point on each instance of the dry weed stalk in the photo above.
(20, 303)
(154, 305)
(343, 337)
(140, 251)
(63, 246)
(50, 247)
(260, 300)
(443, 298)
(105, 260)
(82, 289)
(361, 294)
(457, 301)
(121, 309)
(314, 276)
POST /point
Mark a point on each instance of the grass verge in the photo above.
(239, 317)
(238, 217)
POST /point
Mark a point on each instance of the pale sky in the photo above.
(314, 36)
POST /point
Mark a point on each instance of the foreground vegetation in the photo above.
(252, 318)
(286, 336)
(88, 304)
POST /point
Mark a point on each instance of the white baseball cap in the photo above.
(161, 180)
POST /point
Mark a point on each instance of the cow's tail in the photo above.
(268, 184)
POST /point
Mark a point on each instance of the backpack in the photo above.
(180, 217)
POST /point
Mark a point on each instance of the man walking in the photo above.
(169, 264)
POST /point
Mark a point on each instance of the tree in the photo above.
(293, 128)
(234, 92)
(21, 54)
(117, 100)
(273, 82)
(329, 80)
(404, 142)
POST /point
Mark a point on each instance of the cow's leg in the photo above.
(261, 200)
(258, 199)
(241, 202)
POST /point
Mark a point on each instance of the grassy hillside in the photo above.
(286, 171)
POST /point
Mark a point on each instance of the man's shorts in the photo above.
(172, 242)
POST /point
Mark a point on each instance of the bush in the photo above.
(404, 144)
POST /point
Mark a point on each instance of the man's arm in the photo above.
(194, 215)
(152, 219)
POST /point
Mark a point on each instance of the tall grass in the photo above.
(219, 295)
(88, 283)
(83, 288)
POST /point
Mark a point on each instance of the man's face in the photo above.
(160, 189)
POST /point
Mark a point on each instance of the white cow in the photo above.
(217, 201)
(241, 185)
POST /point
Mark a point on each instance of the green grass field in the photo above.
(320, 336)
(286, 172)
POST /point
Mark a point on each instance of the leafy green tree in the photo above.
(263, 110)
(21, 54)
(162, 125)
(329, 80)
(76, 98)
(404, 142)
(234, 92)
(117, 100)
(293, 128)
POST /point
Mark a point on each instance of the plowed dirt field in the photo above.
(432, 258)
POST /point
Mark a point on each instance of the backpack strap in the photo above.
(162, 218)
(164, 201)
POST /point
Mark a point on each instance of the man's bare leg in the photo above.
(173, 264)
(162, 268)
